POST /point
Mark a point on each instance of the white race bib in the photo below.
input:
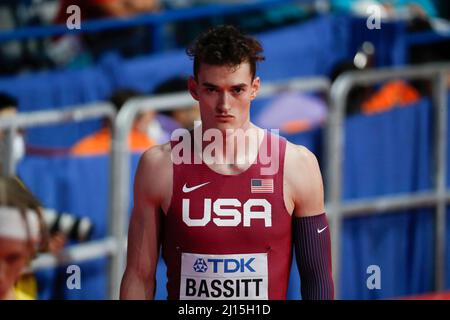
(228, 276)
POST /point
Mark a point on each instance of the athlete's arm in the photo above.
(139, 280)
(311, 233)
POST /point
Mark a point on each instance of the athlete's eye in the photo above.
(210, 89)
(238, 90)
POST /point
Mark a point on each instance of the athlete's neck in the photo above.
(236, 147)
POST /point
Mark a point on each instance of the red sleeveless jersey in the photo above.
(228, 236)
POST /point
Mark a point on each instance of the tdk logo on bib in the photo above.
(231, 265)
(238, 276)
(200, 265)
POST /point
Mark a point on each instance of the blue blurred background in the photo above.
(388, 126)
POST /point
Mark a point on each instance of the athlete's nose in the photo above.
(223, 105)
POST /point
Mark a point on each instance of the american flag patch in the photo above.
(262, 186)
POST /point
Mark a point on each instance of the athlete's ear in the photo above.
(256, 83)
(193, 87)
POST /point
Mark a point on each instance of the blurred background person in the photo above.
(293, 113)
(22, 235)
(26, 285)
(186, 116)
(393, 93)
(8, 108)
(19, 148)
(100, 141)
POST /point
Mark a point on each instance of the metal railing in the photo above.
(334, 158)
(75, 254)
(39, 118)
(120, 175)
(79, 252)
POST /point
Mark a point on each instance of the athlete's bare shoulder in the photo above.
(158, 155)
(303, 180)
(154, 173)
(299, 155)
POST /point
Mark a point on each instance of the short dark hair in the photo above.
(225, 45)
(120, 96)
(7, 101)
(118, 99)
(172, 85)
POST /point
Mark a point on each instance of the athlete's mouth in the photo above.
(220, 116)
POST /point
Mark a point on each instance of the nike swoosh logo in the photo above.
(321, 230)
(187, 189)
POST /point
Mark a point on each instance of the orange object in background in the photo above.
(393, 93)
(445, 295)
(295, 126)
(100, 143)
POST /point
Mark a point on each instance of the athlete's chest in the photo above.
(238, 211)
(228, 201)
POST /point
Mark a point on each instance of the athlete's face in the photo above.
(14, 256)
(224, 94)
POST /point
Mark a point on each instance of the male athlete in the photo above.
(227, 227)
